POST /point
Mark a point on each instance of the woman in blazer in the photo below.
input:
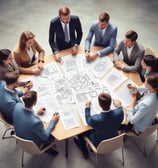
(25, 53)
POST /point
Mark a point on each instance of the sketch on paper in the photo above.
(69, 117)
(100, 66)
(113, 79)
(51, 71)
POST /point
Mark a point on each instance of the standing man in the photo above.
(65, 32)
(132, 53)
(105, 36)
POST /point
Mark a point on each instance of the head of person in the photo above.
(26, 40)
(104, 100)
(151, 83)
(64, 14)
(151, 62)
(130, 38)
(30, 98)
(103, 20)
(11, 78)
(5, 56)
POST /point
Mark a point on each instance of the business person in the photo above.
(9, 95)
(65, 31)
(104, 33)
(142, 111)
(132, 53)
(149, 65)
(25, 54)
(105, 125)
(27, 125)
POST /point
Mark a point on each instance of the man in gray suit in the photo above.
(105, 36)
(132, 53)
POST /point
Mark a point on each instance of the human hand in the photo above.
(117, 103)
(55, 116)
(28, 85)
(57, 57)
(36, 71)
(118, 64)
(40, 65)
(130, 86)
(74, 50)
(88, 103)
(41, 111)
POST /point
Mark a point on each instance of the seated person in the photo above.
(25, 53)
(132, 53)
(149, 65)
(142, 110)
(105, 36)
(27, 125)
(105, 125)
(8, 64)
(10, 95)
(65, 32)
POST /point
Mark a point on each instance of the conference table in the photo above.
(64, 134)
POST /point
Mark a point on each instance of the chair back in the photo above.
(150, 51)
(27, 145)
(7, 125)
(109, 145)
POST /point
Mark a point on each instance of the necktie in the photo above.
(66, 34)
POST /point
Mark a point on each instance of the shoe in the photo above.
(52, 152)
(77, 142)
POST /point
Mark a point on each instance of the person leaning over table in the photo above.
(149, 65)
(8, 64)
(105, 125)
(28, 126)
(9, 95)
(142, 109)
(25, 54)
(132, 53)
(65, 32)
(104, 33)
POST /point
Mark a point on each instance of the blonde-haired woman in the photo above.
(25, 54)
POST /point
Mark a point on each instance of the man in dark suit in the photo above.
(65, 32)
(132, 53)
(105, 124)
(104, 34)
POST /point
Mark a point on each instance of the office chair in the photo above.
(149, 51)
(147, 132)
(8, 127)
(30, 147)
(107, 146)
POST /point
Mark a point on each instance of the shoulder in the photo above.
(139, 46)
(112, 26)
(55, 20)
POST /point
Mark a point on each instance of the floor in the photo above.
(17, 16)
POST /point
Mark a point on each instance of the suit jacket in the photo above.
(57, 36)
(8, 100)
(22, 57)
(105, 124)
(144, 111)
(108, 41)
(133, 61)
(29, 126)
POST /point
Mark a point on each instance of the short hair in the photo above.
(64, 11)
(25, 36)
(29, 98)
(11, 77)
(104, 100)
(151, 61)
(132, 35)
(104, 17)
(4, 54)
